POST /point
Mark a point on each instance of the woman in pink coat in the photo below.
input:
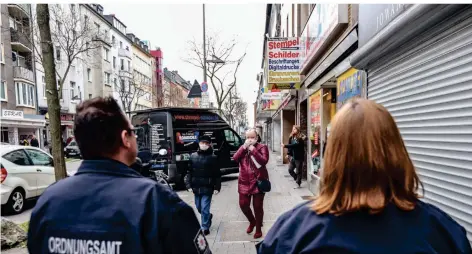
(251, 170)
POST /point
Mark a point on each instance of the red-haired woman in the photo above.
(369, 200)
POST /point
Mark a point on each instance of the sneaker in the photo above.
(258, 234)
(206, 231)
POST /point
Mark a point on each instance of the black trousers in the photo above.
(295, 170)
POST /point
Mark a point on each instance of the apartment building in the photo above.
(121, 75)
(18, 94)
(72, 92)
(98, 61)
(158, 78)
(175, 89)
(143, 69)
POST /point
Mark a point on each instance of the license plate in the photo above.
(72, 153)
(157, 166)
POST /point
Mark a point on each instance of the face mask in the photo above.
(204, 147)
(252, 141)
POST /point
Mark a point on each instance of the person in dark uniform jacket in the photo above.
(296, 151)
(369, 201)
(204, 179)
(107, 207)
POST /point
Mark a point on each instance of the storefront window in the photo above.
(315, 132)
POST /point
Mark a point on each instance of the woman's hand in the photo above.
(247, 143)
(251, 147)
(282, 145)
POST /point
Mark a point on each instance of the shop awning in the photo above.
(23, 123)
(287, 103)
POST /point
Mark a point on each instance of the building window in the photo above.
(79, 94)
(24, 94)
(89, 75)
(122, 83)
(90, 96)
(114, 83)
(107, 79)
(113, 40)
(98, 27)
(114, 62)
(85, 19)
(121, 44)
(72, 90)
(58, 53)
(3, 91)
(129, 66)
(2, 54)
(43, 79)
(122, 64)
(106, 54)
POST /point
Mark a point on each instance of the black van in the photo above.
(169, 135)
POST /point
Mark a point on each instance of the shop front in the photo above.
(17, 126)
(419, 63)
(67, 127)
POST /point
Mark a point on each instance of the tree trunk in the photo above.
(54, 108)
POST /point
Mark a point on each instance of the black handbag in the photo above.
(264, 184)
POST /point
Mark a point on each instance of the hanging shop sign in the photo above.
(283, 61)
(6, 113)
(270, 105)
(350, 84)
(315, 131)
(324, 20)
(271, 96)
(374, 17)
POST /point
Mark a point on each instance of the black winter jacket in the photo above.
(203, 175)
(297, 149)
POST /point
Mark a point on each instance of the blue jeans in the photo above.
(203, 203)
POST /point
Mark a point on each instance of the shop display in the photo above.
(315, 131)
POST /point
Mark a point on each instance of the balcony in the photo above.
(19, 42)
(124, 53)
(23, 73)
(19, 10)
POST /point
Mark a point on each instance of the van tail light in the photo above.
(3, 175)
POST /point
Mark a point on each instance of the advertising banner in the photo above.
(283, 56)
(322, 22)
(349, 85)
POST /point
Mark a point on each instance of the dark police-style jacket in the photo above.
(426, 229)
(108, 207)
(203, 175)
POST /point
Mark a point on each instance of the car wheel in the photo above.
(16, 202)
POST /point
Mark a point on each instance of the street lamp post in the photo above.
(204, 48)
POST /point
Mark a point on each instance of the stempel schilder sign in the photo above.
(283, 60)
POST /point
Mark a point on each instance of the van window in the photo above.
(232, 138)
(151, 129)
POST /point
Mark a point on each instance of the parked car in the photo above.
(26, 172)
(72, 150)
(167, 136)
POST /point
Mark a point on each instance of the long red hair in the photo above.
(367, 165)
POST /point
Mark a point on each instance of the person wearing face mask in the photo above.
(252, 157)
(107, 206)
(204, 179)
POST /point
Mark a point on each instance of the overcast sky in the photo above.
(170, 26)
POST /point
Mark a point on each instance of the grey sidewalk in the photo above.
(228, 232)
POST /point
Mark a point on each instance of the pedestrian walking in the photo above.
(252, 157)
(107, 206)
(369, 200)
(34, 141)
(204, 179)
(296, 153)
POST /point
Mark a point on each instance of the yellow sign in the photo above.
(349, 85)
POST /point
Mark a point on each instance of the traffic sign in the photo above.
(204, 87)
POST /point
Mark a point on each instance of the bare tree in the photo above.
(132, 87)
(54, 107)
(63, 39)
(222, 69)
(234, 110)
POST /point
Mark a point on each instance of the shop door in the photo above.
(427, 87)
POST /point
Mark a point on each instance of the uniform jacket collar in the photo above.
(106, 166)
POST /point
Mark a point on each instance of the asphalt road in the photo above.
(26, 214)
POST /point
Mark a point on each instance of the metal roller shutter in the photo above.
(427, 86)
